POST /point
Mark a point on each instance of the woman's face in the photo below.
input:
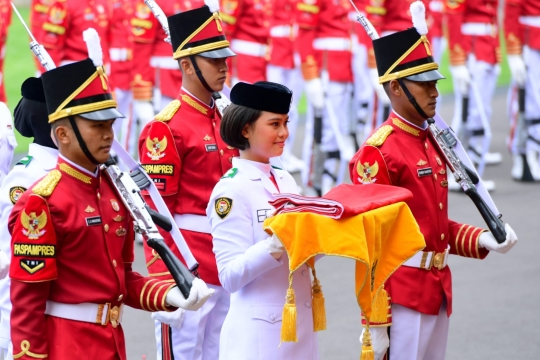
(266, 137)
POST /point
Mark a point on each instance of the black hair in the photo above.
(235, 118)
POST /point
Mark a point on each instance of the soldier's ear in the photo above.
(185, 66)
(62, 132)
(394, 88)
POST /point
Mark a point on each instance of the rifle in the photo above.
(145, 220)
(466, 177)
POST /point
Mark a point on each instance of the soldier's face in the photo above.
(266, 137)
(98, 136)
(214, 71)
(426, 94)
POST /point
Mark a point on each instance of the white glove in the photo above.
(198, 295)
(174, 319)
(517, 68)
(462, 78)
(379, 340)
(381, 94)
(274, 246)
(4, 265)
(144, 111)
(487, 241)
(315, 92)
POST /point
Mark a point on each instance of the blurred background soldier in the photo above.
(31, 120)
(5, 21)
(436, 21)
(38, 16)
(522, 32)
(66, 20)
(284, 68)
(325, 51)
(247, 25)
(8, 143)
(155, 80)
(473, 39)
(121, 56)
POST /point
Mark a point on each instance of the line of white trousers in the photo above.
(291, 78)
(197, 338)
(338, 94)
(417, 336)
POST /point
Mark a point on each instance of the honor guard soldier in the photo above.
(247, 24)
(121, 57)
(31, 121)
(155, 79)
(66, 20)
(284, 68)
(325, 50)
(522, 33)
(183, 153)
(8, 143)
(5, 21)
(403, 153)
(253, 266)
(38, 16)
(72, 237)
(474, 47)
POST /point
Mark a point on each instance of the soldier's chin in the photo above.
(102, 155)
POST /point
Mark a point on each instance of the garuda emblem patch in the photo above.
(156, 148)
(33, 225)
(367, 172)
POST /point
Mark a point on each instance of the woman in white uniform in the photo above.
(252, 266)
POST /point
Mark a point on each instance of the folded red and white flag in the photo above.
(342, 201)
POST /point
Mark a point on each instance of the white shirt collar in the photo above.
(423, 127)
(193, 96)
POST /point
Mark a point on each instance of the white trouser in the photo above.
(484, 76)
(438, 45)
(532, 96)
(291, 78)
(124, 100)
(6, 155)
(363, 90)
(417, 336)
(198, 336)
(338, 95)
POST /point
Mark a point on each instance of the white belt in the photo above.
(248, 48)
(436, 6)
(118, 54)
(479, 29)
(335, 44)
(427, 259)
(533, 21)
(164, 62)
(198, 223)
(283, 31)
(87, 312)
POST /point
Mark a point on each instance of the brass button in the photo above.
(221, 152)
(114, 263)
(120, 297)
(98, 196)
(435, 175)
(442, 236)
(440, 206)
(106, 227)
(425, 145)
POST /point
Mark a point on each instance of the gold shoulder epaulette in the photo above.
(169, 111)
(379, 136)
(46, 185)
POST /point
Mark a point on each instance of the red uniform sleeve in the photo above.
(54, 30)
(161, 160)
(513, 31)
(308, 17)
(457, 47)
(33, 266)
(143, 293)
(464, 240)
(231, 11)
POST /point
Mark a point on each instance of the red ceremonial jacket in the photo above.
(320, 23)
(409, 158)
(66, 21)
(517, 31)
(38, 16)
(155, 66)
(121, 44)
(283, 33)
(483, 47)
(5, 21)
(183, 153)
(72, 242)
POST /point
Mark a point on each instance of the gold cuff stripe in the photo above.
(145, 24)
(376, 10)
(76, 174)
(142, 293)
(199, 49)
(163, 305)
(463, 238)
(56, 29)
(156, 297)
(25, 350)
(457, 240)
(149, 293)
(160, 274)
(313, 9)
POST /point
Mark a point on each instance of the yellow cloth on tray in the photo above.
(380, 240)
